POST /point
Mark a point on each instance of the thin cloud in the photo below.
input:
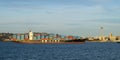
(109, 21)
(22, 23)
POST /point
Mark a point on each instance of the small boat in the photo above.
(117, 41)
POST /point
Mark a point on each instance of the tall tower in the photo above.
(101, 33)
(30, 35)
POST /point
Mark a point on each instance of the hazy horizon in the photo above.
(69, 17)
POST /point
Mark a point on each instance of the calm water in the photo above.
(88, 51)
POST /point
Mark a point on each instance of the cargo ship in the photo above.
(78, 41)
(44, 38)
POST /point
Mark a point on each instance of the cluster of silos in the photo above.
(39, 36)
(36, 37)
(20, 36)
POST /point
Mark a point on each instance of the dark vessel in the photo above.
(75, 40)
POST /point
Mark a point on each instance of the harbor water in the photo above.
(87, 51)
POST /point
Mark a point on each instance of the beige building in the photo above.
(112, 38)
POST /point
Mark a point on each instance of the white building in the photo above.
(30, 35)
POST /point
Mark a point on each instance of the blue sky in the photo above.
(70, 17)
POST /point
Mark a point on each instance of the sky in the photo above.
(68, 17)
